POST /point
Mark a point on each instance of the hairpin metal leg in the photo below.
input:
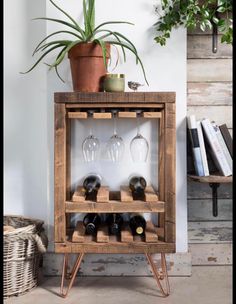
(71, 276)
(160, 275)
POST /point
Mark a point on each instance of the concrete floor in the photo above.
(207, 285)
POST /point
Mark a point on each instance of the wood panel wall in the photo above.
(209, 90)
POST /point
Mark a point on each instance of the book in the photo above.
(202, 148)
(227, 138)
(217, 151)
(197, 158)
(223, 145)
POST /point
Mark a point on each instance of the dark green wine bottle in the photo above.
(137, 224)
(137, 185)
(114, 222)
(91, 185)
(91, 222)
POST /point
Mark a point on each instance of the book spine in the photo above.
(227, 138)
(216, 148)
(223, 145)
(192, 126)
(202, 148)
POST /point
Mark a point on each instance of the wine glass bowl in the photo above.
(115, 146)
(90, 148)
(91, 144)
(139, 146)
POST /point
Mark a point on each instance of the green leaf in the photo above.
(55, 33)
(111, 22)
(221, 9)
(64, 23)
(46, 45)
(65, 13)
(37, 62)
(215, 20)
(104, 50)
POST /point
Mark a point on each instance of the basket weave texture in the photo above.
(21, 255)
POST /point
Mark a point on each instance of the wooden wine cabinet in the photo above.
(161, 239)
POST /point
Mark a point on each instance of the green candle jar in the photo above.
(114, 83)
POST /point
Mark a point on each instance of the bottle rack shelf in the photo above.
(114, 201)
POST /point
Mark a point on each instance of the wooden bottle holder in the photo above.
(161, 239)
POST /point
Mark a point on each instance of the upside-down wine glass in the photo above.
(139, 145)
(91, 144)
(115, 145)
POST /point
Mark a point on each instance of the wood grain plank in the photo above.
(125, 114)
(77, 115)
(78, 235)
(150, 233)
(151, 114)
(210, 232)
(103, 194)
(201, 210)
(102, 115)
(209, 70)
(107, 97)
(150, 194)
(211, 179)
(209, 93)
(79, 194)
(125, 194)
(115, 247)
(211, 254)
(59, 172)
(102, 234)
(200, 46)
(219, 114)
(170, 172)
(114, 207)
(203, 191)
(126, 234)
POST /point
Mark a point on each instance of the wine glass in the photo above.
(91, 144)
(115, 145)
(139, 145)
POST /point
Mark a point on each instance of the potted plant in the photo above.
(211, 14)
(89, 50)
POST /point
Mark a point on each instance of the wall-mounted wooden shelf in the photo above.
(214, 182)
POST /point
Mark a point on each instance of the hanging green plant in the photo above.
(193, 14)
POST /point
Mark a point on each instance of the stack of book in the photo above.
(210, 148)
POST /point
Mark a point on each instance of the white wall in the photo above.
(166, 71)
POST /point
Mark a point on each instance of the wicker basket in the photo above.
(23, 247)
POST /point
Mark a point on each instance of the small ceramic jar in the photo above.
(114, 83)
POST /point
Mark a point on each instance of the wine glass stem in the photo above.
(138, 125)
(90, 126)
(114, 125)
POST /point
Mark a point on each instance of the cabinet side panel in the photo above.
(170, 173)
(59, 173)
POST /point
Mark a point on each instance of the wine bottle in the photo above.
(91, 222)
(91, 185)
(137, 224)
(137, 185)
(114, 222)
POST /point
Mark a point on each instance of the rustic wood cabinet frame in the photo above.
(158, 105)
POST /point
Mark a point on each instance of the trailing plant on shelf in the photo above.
(192, 14)
(95, 38)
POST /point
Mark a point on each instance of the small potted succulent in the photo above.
(89, 51)
(203, 14)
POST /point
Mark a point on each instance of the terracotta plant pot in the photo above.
(87, 67)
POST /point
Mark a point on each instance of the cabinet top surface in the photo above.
(124, 97)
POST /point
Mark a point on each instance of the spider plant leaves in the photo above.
(89, 18)
(111, 22)
(55, 33)
(40, 58)
(61, 42)
(135, 53)
(104, 50)
(66, 50)
(64, 23)
(65, 13)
